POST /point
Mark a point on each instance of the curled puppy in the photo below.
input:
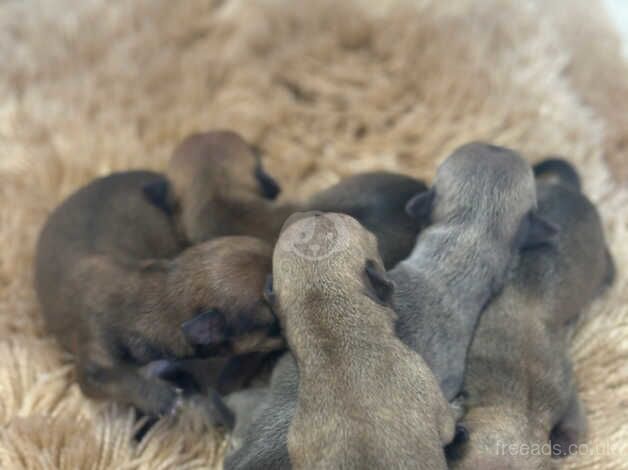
(364, 399)
(116, 311)
(482, 208)
(217, 186)
(521, 396)
(377, 200)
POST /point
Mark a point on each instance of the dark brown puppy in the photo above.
(365, 400)
(217, 186)
(377, 200)
(116, 311)
(522, 399)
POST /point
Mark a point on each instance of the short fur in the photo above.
(377, 200)
(218, 187)
(261, 444)
(365, 400)
(480, 205)
(519, 381)
(116, 311)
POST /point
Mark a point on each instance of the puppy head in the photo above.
(488, 186)
(219, 285)
(323, 257)
(497, 439)
(212, 169)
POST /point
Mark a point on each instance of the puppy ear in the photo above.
(420, 206)
(205, 329)
(539, 232)
(269, 293)
(270, 187)
(382, 287)
(159, 194)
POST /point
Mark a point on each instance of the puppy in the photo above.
(365, 400)
(217, 186)
(259, 441)
(116, 311)
(377, 200)
(522, 399)
(482, 210)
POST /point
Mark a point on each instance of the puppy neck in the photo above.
(255, 217)
(340, 330)
(460, 265)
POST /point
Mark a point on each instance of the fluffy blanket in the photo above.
(326, 89)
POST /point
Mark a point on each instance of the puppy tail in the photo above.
(559, 168)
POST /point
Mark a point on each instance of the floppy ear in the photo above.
(207, 328)
(420, 206)
(539, 232)
(270, 187)
(269, 293)
(382, 287)
(159, 194)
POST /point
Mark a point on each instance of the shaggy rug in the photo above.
(326, 89)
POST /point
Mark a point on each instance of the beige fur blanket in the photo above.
(326, 89)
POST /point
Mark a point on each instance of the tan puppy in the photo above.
(116, 311)
(365, 400)
(522, 399)
(217, 186)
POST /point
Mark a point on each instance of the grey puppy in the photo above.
(482, 207)
(332, 296)
(260, 442)
(377, 200)
(522, 399)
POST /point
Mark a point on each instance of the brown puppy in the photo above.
(116, 311)
(522, 399)
(365, 400)
(217, 187)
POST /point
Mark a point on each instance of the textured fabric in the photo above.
(326, 90)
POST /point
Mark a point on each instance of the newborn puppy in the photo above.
(111, 215)
(245, 406)
(365, 400)
(481, 207)
(116, 311)
(217, 186)
(522, 399)
(259, 440)
(377, 200)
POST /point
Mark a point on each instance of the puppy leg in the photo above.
(124, 384)
(244, 403)
(571, 428)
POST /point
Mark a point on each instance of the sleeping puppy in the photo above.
(502, 188)
(365, 400)
(377, 200)
(522, 399)
(259, 440)
(482, 208)
(117, 311)
(217, 186)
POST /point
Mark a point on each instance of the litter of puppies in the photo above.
(380, 324)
